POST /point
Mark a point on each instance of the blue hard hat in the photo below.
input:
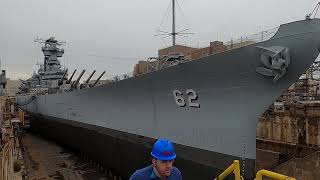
(163, 150)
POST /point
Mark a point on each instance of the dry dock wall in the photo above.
(307, 168)
(298, 124)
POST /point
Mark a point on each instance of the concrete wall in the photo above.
(294, 124)
(307, 168)
(266, 159)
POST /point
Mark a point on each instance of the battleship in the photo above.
(209, 107)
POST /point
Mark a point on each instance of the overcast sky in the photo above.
(113, 35)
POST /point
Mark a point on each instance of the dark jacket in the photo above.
(147, 173)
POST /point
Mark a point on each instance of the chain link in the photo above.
(243, 157)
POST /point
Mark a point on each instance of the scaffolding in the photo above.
(10, 119)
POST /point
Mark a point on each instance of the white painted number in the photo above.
(192, 96)
(178, 98)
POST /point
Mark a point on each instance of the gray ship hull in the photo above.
(123, 153)
(231, 94)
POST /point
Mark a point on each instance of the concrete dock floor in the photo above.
(46, 160)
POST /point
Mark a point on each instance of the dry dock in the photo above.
(47, 160)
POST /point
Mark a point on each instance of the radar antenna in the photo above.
(166, 34)
(51, 41)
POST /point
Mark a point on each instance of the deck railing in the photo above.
(232, 44)
(254, 38)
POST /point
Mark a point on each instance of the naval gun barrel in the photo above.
(64, 75)
(96, 82)
(74, 84)
(87, 81)
(69, 80)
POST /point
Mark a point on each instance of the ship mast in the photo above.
(173, 33)
(173, 27)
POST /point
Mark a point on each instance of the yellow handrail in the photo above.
(272, 175)
(235, 168)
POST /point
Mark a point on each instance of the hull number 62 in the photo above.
(191, 95)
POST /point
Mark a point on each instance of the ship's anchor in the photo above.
(275, 61)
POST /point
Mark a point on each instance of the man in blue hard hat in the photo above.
(163, 156)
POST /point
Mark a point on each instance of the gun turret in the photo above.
(87, 81)
(63, 77)
(75, 83)
(69, 80)
(96, 82)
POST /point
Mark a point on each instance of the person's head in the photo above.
(163, 155)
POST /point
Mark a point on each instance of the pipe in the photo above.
(235, 168)
(272, 175)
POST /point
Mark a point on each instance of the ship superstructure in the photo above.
(50, 74)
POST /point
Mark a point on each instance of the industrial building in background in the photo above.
(188, 54)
